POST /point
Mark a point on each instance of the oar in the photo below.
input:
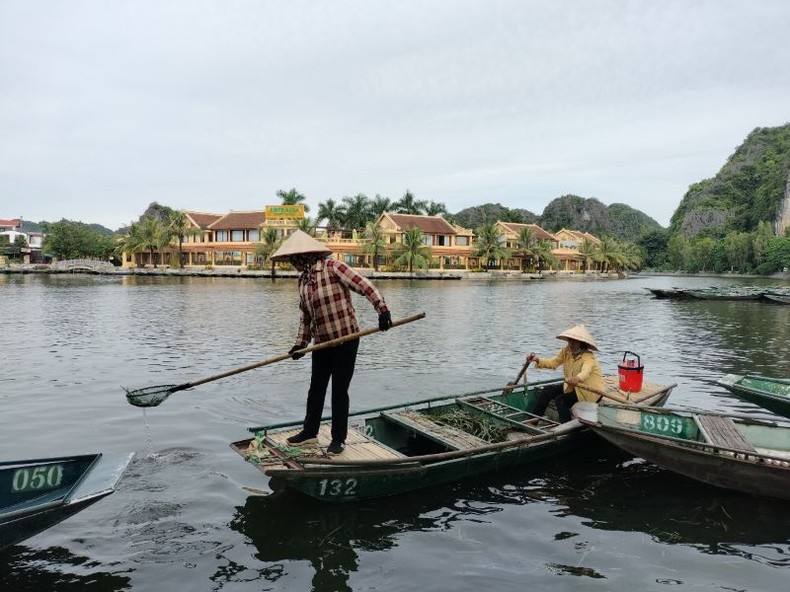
(602, 394)
(154, 395)
(511, 385)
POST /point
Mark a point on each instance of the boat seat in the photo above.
(721, 431)
(448, 436)
(519, 419)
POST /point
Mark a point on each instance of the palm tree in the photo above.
(270, 242)
(357, 209)
(489, 244)
(375, 242)
(332, 213)
(180, 227)
(408, 204)
(587, 250)
(542, 252)
(152, 236)
(379, 205)
(131, 244)
(413, 252)
(293, 198)
(307, 225)
(433, 208)
(523, 246)
(610, 254)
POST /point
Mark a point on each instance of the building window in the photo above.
(221, 236)
(237, 236)
(254, 236)
(462, 241)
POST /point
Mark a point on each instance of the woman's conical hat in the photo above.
(579, 333)
(299, 243)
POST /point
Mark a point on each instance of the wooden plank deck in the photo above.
(358, 445)
(449, 436)
(612, 386)
(721, 431)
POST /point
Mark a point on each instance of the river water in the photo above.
(187, 517)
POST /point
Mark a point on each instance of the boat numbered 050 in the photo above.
(37, 478)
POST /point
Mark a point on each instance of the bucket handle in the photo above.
(638, 361)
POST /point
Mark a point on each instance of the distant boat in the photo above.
(781, 298)
(38, 494)
(732, 293)
(669, 292)
(769, 393)
(397, 449)
(743, 454)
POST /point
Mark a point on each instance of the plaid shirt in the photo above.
(325, 301)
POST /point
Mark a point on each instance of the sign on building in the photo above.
(283, 212)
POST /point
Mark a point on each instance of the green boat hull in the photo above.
(772, 394)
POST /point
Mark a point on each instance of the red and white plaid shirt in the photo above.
(325, 301)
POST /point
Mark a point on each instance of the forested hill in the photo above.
(569, 211)
(590, 215)
(753, 186)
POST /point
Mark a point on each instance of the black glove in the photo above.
(293, 355)
(385, 321)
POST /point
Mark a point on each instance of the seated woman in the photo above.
(580, 368)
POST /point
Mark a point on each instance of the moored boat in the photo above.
(393, 450)
(779, 297)
(738, 453)
(38, 494)
(769, 393)
(732, 293)
(673, 293)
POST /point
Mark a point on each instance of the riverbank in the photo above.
(237, 272)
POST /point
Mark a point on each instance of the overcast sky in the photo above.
(108, 105)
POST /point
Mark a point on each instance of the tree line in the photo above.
(758, 251)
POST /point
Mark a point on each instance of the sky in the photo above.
(215, 105)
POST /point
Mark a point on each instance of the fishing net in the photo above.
(150, 396)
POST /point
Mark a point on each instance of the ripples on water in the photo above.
(182, 520)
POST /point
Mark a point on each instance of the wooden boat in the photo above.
(674, 293)
(392, 450)
(769, 393)
(739, 453)
(741, 293)
(781, 298)
(37, 494)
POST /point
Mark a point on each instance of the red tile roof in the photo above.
(239, 220)
(537, 232)
(203, 219)
(13, 223)
(428, 224)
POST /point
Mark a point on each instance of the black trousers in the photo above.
(562, 401)
(338, 364)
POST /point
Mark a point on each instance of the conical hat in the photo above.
(299, 243)
(579, 333)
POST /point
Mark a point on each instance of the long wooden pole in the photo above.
(306, 350)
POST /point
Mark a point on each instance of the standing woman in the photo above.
(327, 313)
(580, 368)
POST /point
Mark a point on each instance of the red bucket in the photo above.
(630, 373)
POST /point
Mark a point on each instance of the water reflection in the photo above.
(618, 493)
(608, 491)
(55, 570)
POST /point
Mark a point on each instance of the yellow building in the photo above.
(231, 240)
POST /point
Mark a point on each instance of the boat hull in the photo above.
(344, 484)
(772, 394)
(730, 472)
(385, 471)
(38, 494)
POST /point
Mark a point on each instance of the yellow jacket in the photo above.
(583, 365)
